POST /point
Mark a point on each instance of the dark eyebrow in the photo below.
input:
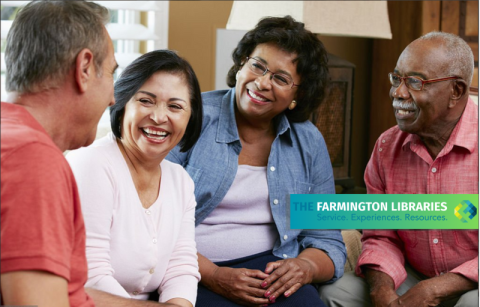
(278, 71)
(148, 93)
(155, 96)
(175, 99)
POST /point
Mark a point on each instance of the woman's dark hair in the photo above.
(290, 36)
(139, 71)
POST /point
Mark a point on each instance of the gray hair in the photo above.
(45, 39)
(462, 62)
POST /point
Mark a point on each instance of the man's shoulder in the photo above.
(17, 134)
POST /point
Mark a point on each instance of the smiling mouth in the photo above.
(256, 97)
(156, 135)
(404, 112)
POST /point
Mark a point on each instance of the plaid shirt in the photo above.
(401, 164)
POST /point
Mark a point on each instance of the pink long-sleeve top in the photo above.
(132, 251)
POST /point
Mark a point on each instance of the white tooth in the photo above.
(256, 97)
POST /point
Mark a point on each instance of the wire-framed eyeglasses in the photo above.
(279, 80)
(414, 83)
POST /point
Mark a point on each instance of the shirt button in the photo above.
(135, 292)
(383, 141)
(380, 149)
(434, 170)
(272, 168)
(152, 271)
(285, 237)
(154, 241)
(435, 241)
(147, 212)
(285, 256)
(275, 201)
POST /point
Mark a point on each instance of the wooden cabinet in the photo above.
(334, 118)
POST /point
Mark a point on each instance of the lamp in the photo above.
(368, 19)
(340, 18)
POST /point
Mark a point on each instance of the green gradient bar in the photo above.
(383, 211)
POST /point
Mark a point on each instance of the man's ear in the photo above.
(459, 89)
(84, 69)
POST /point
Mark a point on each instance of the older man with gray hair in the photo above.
(432, 150)
(60, 64)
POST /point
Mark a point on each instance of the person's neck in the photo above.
(49, 111)
(252, 129)
(136, 160)
(437, 137)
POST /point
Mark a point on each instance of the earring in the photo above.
(292, 105)
(236, 76)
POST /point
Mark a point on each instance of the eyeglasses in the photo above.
(414, 83)
(280, 80)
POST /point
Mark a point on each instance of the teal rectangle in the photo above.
(384, 211)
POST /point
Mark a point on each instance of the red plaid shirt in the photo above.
(401, 164)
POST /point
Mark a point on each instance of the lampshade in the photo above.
(339, 18)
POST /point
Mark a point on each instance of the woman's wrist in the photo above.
(209, 278)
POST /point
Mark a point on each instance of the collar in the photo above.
(227, 131)
(15, 112)
(465, 133)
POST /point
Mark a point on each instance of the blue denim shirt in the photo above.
(298, 164)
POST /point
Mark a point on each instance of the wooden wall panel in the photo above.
(450, 16)
(471, 26)
(406, 25)
(431, 12)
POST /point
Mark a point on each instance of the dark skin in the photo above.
(432, 114)
(254, 118)
(428, 292)
(438, 106)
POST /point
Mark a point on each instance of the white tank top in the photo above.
(242, 224)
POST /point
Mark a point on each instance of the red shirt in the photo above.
(401, 164)
(41, 222)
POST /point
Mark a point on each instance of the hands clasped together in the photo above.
(256, 288)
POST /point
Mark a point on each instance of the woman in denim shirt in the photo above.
(257, 147)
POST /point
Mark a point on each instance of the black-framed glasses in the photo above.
(280, 80)
(414, 83)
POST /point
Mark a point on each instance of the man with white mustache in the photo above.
(432, 150)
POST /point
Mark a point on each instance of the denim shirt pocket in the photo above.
(303, 187)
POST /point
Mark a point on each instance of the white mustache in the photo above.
(404, 105)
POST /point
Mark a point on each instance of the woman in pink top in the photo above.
(139, 208)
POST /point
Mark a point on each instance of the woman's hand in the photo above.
(287, 277)
(311, 265)
(241, 286)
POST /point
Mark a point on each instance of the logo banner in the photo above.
(383, 211)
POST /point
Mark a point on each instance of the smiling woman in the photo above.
(139, 208)
(257, 146)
